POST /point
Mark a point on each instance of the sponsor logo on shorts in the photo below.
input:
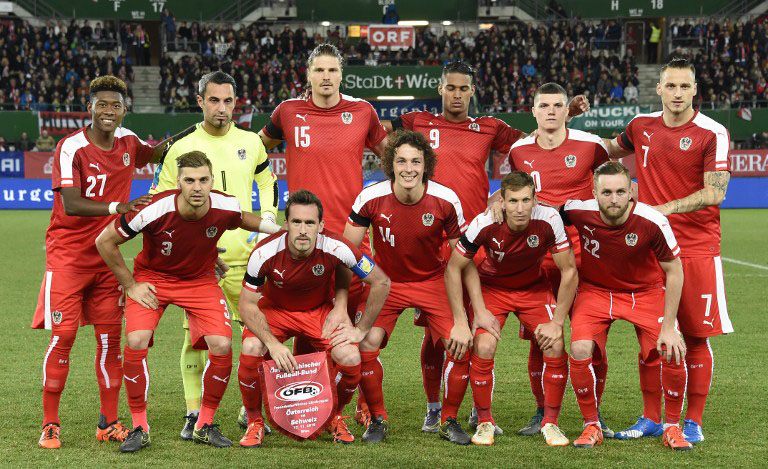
(56, 316)
(474, 126)
(631, 239)
(346, 117)
(533, 241)
(318, 269)
(241, 154)
(300, 391)
(570, 161)
(427, 219)
(685, 143)
(126, 159)
(211, 231)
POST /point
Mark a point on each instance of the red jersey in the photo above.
(299, 284)
(407, 239)
(514, 257)
(102, 176)
(324, 150)
(175, 247)
(561, 173)
(622, 258)
(670, 164)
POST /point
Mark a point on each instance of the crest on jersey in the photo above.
(427, 219)
(126, 159)
(685, 143)
(211, 231)
(241, 154)
(358, 316)
(533, 241)
(474, 126)
(56, 316)
(318, 269)
(630, 239)
(570, 161)
(346, 117)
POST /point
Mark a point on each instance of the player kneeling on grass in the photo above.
(408, 215)
(287, 293)
(176, 266)
(511, 279)
(628, 249)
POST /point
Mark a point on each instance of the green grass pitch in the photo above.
(734, 419)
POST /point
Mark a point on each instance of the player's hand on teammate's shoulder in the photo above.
(496, 209)
(143, 293)
(578, 105)
(283, 357)
(548, 333)
(484, 319)
(460, 341)
(132, 206)
(346, 334)
(670, 345)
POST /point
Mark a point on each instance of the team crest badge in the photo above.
(631, 239)
(56, 315)
(318, 269)
(241, 154)
(685, 143)
(533, 241)
(358, 316)
(126, 159)
(474, 126)
(570, 161)
(427, 219)
(211, 231)
(346, 117)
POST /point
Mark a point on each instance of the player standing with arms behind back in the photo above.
(681, 158)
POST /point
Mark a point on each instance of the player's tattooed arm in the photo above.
(713, 193)
(670, 344)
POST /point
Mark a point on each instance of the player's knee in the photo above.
(218, 345)
(373, 340)
(581, 349)
(485, 345)
(253, 347)
(346, 355)
(555, 350)
(138, 340)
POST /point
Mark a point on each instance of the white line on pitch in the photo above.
(748, 264)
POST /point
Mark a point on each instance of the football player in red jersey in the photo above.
(512, 280)
(325, 134)
(287, 292)
(92, 172)
(681, 159)
(463, 145)
(177, 223)
(409, 214)
(629, 248)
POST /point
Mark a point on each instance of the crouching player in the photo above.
(288, 292)
(176, 266)
(624, 243)
(511, 279)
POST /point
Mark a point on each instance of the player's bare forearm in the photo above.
(253, 222)
(108, 244)
(77, 205)
(569, 280)
(343, 278)
(471, 279)
(354, 234)
(615, 151)
(378, 149)
(269, 142)
(713, 193)
(254, 319)
(673, 270)
(388, 126)
(159, 149)
(379, 283)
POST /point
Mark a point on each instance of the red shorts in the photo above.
(429, 297)
(703, 311)
(532, 306)
(286, 324)
(594, 310)
(202, 300)
(69, 300)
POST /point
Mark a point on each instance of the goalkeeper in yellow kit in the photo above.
(239, 158)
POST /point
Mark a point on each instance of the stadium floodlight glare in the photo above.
(394, 98)
(325, 23)
(413, 23)
(447, 23)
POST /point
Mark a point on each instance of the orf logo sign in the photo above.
(300, 391)
(391, 36)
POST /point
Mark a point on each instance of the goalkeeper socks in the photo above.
(136, 374)
(554, 378)
(432, 356)
(55, 371)
(109, 368)
(673, 378)
(583, 382)
(192, 363)
(698, 357)
(456, 377)
(535, 367)
(371, 380)
(481, 378)
(250, 385)
(215, 380)
(347, 380)
(650, 385)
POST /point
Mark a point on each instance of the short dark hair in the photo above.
(678, 63)
(325, 49)
(610, 168)
(217, 78)
(107, 83)
(194, 159)
(550, 88)
(416, 140)
(303, 197)
(515, 181)
(459, 67)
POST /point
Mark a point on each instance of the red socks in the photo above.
(456, 376)
(583, 382)
(371, 379)
(346, 383)
(650, 385)
(555, 377)
(249, 378)
(215, 380)
(109, 368)
(55, 370)
(601, 373)
(673, 379)
(535, 366)
(700, 363)
(431, 366)
(136, 374)
(481, 378)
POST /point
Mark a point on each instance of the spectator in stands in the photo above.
(631, 93)
(24, 143)
(390, 15)
(141, 45)
(758, 140)
(617, 93)
(45, 142)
